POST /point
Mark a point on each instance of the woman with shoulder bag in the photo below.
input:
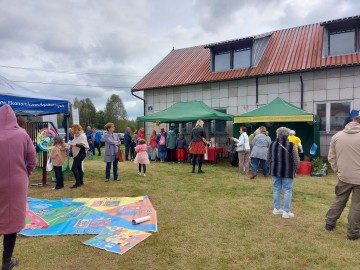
(243, 149)
(79, 147)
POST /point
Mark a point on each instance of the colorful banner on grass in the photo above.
(117, 239)
(87, 215)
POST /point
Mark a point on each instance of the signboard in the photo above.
(75, 116)
(150, 108)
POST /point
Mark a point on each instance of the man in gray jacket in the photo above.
(344, 158)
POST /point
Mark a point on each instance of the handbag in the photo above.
(240, 148)
(49, 165)
(121, 156)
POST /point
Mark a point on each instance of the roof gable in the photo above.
(289, 50)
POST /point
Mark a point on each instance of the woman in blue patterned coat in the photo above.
(112, 142)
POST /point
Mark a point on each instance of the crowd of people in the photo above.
(278, 158)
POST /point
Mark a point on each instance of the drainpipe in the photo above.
(257, 91)
(132, 92)
(302, 91)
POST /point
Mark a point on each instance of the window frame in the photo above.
(328, 114)
(339, 29)
(232, 48)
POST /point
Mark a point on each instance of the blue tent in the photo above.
(29, 103)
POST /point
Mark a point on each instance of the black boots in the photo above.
(193, 170)
(199, 170)
(9, 264)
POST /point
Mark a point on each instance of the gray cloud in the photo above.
(131, 37)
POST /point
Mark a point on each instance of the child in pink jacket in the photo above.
(142, 157)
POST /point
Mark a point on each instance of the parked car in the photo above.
(121, 136)
(103, 132)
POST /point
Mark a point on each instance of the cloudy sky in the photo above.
(114, 43)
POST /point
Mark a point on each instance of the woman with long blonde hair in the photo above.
(198, 142)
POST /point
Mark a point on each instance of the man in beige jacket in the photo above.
(344, 158)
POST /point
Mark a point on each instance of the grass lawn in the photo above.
(216, 220)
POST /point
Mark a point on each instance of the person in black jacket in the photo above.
(198, 142)
(284, 161)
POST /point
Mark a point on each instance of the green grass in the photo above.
(216, 220)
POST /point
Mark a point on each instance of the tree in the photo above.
(100, 118)
(115, 112)
(87, 112)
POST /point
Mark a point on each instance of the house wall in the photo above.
(239, 96)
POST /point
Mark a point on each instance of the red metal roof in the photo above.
(288, 50)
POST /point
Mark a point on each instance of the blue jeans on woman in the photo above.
(162, 155)
(278, 184)
(115, 169)
(255, 164)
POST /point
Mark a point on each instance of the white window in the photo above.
(333, 115)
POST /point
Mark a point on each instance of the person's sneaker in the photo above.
(329, 227)
(116, 179)
(10, 265)
(139, 173)
(144, 174)
(352, 238)
(288, 215)
(278, 211)
(107, 180)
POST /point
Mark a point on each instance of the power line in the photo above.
(71, 72)
(82, 85)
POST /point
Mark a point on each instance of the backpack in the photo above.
(162, 140)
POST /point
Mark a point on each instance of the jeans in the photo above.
(97, 146)
(278, 184)
(162, 155)
(343, 191)
(255, 164)
(153, 153)
(115, 169)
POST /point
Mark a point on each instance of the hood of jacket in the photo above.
(352, 127)
(7, 118)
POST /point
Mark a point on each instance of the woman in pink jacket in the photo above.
(18, 159)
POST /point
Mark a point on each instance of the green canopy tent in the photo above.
(182, 112)
(280, 113)
(186, 112)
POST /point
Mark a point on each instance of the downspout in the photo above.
(132, 92)
(257, 91)
(302, 92)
